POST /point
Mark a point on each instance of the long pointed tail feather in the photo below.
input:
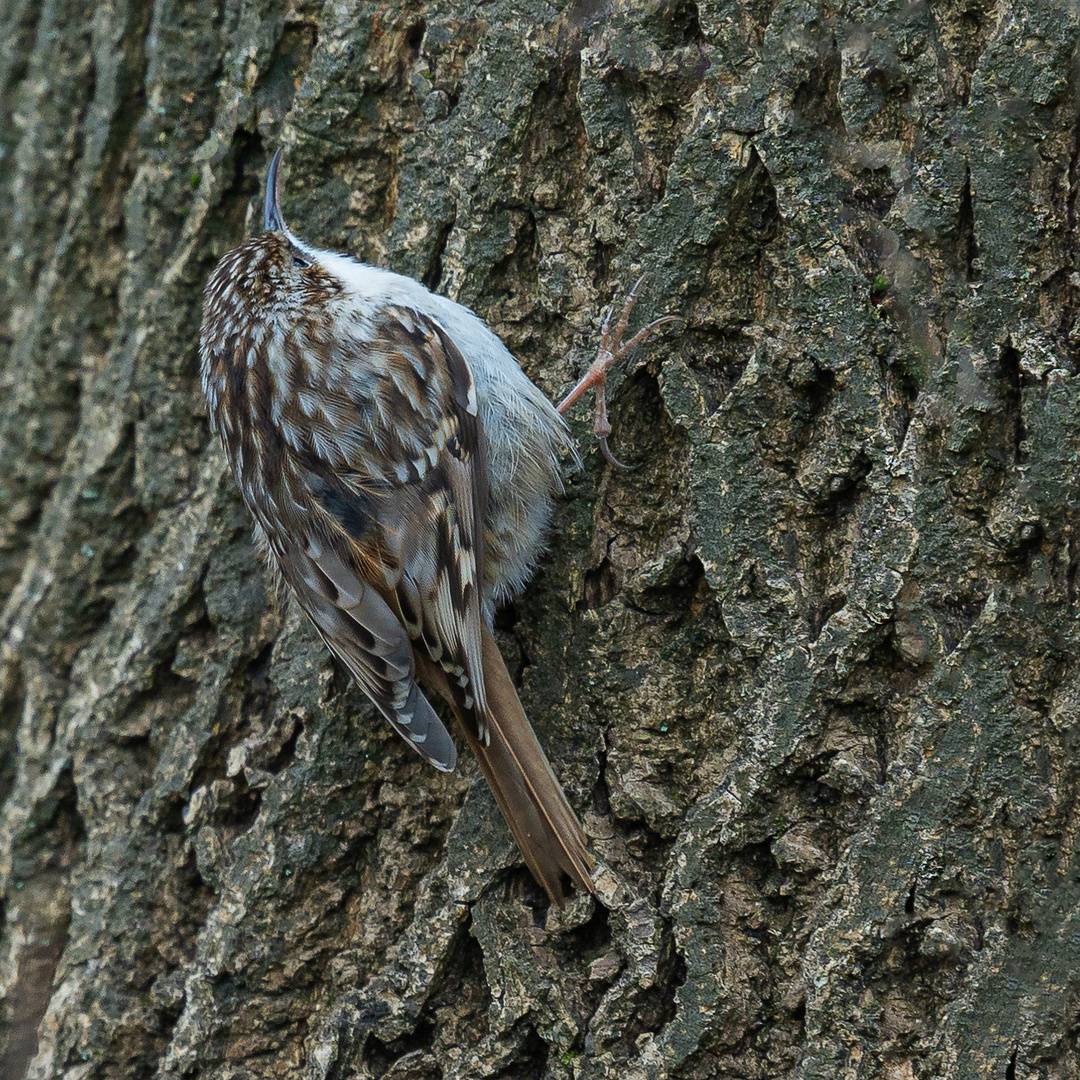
(541, 819)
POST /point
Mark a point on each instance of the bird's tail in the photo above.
(542, 822)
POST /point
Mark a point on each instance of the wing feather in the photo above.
(390, 558)
(386, 558)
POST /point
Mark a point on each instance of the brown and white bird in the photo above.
(400, 467)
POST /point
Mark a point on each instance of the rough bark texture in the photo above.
(809, 672)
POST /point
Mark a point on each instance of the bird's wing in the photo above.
(364, 633)
(394, 464)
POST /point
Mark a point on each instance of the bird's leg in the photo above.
(612, 349)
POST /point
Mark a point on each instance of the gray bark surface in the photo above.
(809, 672)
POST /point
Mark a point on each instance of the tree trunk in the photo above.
(808, 671)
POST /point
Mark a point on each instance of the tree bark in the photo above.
(808, 672)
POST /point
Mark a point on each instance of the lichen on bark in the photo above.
(808, 671)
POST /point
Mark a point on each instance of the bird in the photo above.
(400, 468)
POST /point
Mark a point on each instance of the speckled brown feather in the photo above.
(355, 432)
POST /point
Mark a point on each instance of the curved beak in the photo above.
(273, 219)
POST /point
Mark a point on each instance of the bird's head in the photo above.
(296, 264)
(270, 278)
(260, 291)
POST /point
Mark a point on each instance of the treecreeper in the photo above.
(400, 468)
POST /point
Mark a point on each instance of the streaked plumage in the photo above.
(400, 468)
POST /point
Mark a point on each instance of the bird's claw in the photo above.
(609, 457)
(612, 349)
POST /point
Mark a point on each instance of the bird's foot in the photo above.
(612, 349)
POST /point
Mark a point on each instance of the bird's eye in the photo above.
(300, 263)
